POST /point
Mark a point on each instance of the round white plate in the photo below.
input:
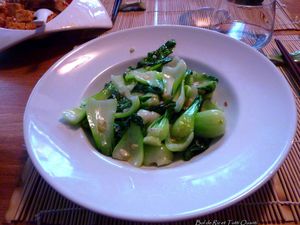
(80, 14)
(261, 123)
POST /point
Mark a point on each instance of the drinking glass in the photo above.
(250, 21)
(201, 13)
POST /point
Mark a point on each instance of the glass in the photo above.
(201, 15)
(250, 21)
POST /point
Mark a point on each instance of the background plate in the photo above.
(80, 14)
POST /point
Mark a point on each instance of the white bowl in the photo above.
(80, 14)
(260, 114)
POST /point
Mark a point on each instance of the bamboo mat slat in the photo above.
(278, 201)
(294, 19)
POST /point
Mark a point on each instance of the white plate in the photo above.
(78, 15)
(261, 123)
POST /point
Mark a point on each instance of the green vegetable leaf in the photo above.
(179, 145)
(157, 156)
(122, 87)
(198, 146)
(157, 131)
(208, 105)
(158, 56)
(151, 78)
(191, 93)
(162, 107)
(203, 82)
(100, 118)
(142, 88)
(210, 123)
(121, 125)
(184, 125)
(147, 116)
(135, 104)
(74, 116)
(176, 71)
(105, 93)
(149, 100)
(130, 148)
(179, 98)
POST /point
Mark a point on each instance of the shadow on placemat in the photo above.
(38, 49)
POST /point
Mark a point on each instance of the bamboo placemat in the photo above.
(182, 12)
(294, 19)
(278, 201)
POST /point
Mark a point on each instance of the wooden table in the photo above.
(20, 69)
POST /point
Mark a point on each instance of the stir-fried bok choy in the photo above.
(157, 112)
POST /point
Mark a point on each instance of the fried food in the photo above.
(20, 14)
